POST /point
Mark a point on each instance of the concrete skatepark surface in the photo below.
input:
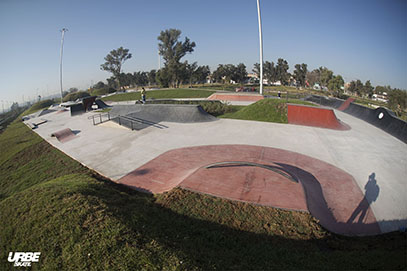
(361, 152)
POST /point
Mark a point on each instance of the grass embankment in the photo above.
(160, 94)
(77, 220)
(270, 110)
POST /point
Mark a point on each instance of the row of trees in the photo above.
(176, 72)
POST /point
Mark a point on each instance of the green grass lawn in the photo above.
(270, 110)
(81, 221)
(161, 94)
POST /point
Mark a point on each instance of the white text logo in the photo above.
(23, 258)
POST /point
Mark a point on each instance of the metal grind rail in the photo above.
(134, 121)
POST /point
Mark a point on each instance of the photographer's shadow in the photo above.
(371, 194)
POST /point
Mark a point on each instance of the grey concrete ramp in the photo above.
(139, 116)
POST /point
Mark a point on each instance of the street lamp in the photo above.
(60, 65)
(261, 47)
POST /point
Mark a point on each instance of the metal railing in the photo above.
(100, 117)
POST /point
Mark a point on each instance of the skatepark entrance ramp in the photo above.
(314, 116)
(140, 116)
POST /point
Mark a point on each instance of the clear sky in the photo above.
(359, 39)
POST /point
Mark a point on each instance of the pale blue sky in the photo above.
(359, 39)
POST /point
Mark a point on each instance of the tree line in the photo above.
(177, 72)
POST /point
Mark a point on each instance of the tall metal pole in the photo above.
(60, 62)
(261, 47)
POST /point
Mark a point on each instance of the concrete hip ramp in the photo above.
(314, 116)
(284, 179)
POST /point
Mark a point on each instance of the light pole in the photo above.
(261, 47)
(60, 61)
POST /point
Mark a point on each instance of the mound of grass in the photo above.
(75, 95)
(38, 106)
(270, 110)
(80, 221)
(160, 94)
(102, 91)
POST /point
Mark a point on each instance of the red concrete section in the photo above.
(250, 184)
(346, 104)
(328, 193)
(314, 116)
(64, 135)
(236, 97)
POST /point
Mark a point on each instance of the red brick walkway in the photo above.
(327, 192)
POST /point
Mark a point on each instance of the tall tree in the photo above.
(368, 89)
(239, 73)
(269, 71)
(313, 77)
(172, 51)
(190, 70)
(336, 85)
(152, 77)
(282, 71)
(114, 61)
(325, 75)
(300, 73)
(397, 101)
(201, 73)
(223, 73)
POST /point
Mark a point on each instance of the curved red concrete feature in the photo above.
(346, 104)
(236, 97)
(327, 192)
(64, 135)
(314, 116)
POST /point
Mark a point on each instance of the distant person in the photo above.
(279, 94)
(143, 95)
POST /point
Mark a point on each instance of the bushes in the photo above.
(214, 108)
(76, 95)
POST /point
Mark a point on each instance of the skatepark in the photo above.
(350, 175)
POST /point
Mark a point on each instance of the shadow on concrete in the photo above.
(320, 209)
(372, 191)
(139, 172)
(75, 132)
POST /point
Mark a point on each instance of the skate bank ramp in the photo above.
(380, 117)
(139, 116)
(314, 116)
(64, 135)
